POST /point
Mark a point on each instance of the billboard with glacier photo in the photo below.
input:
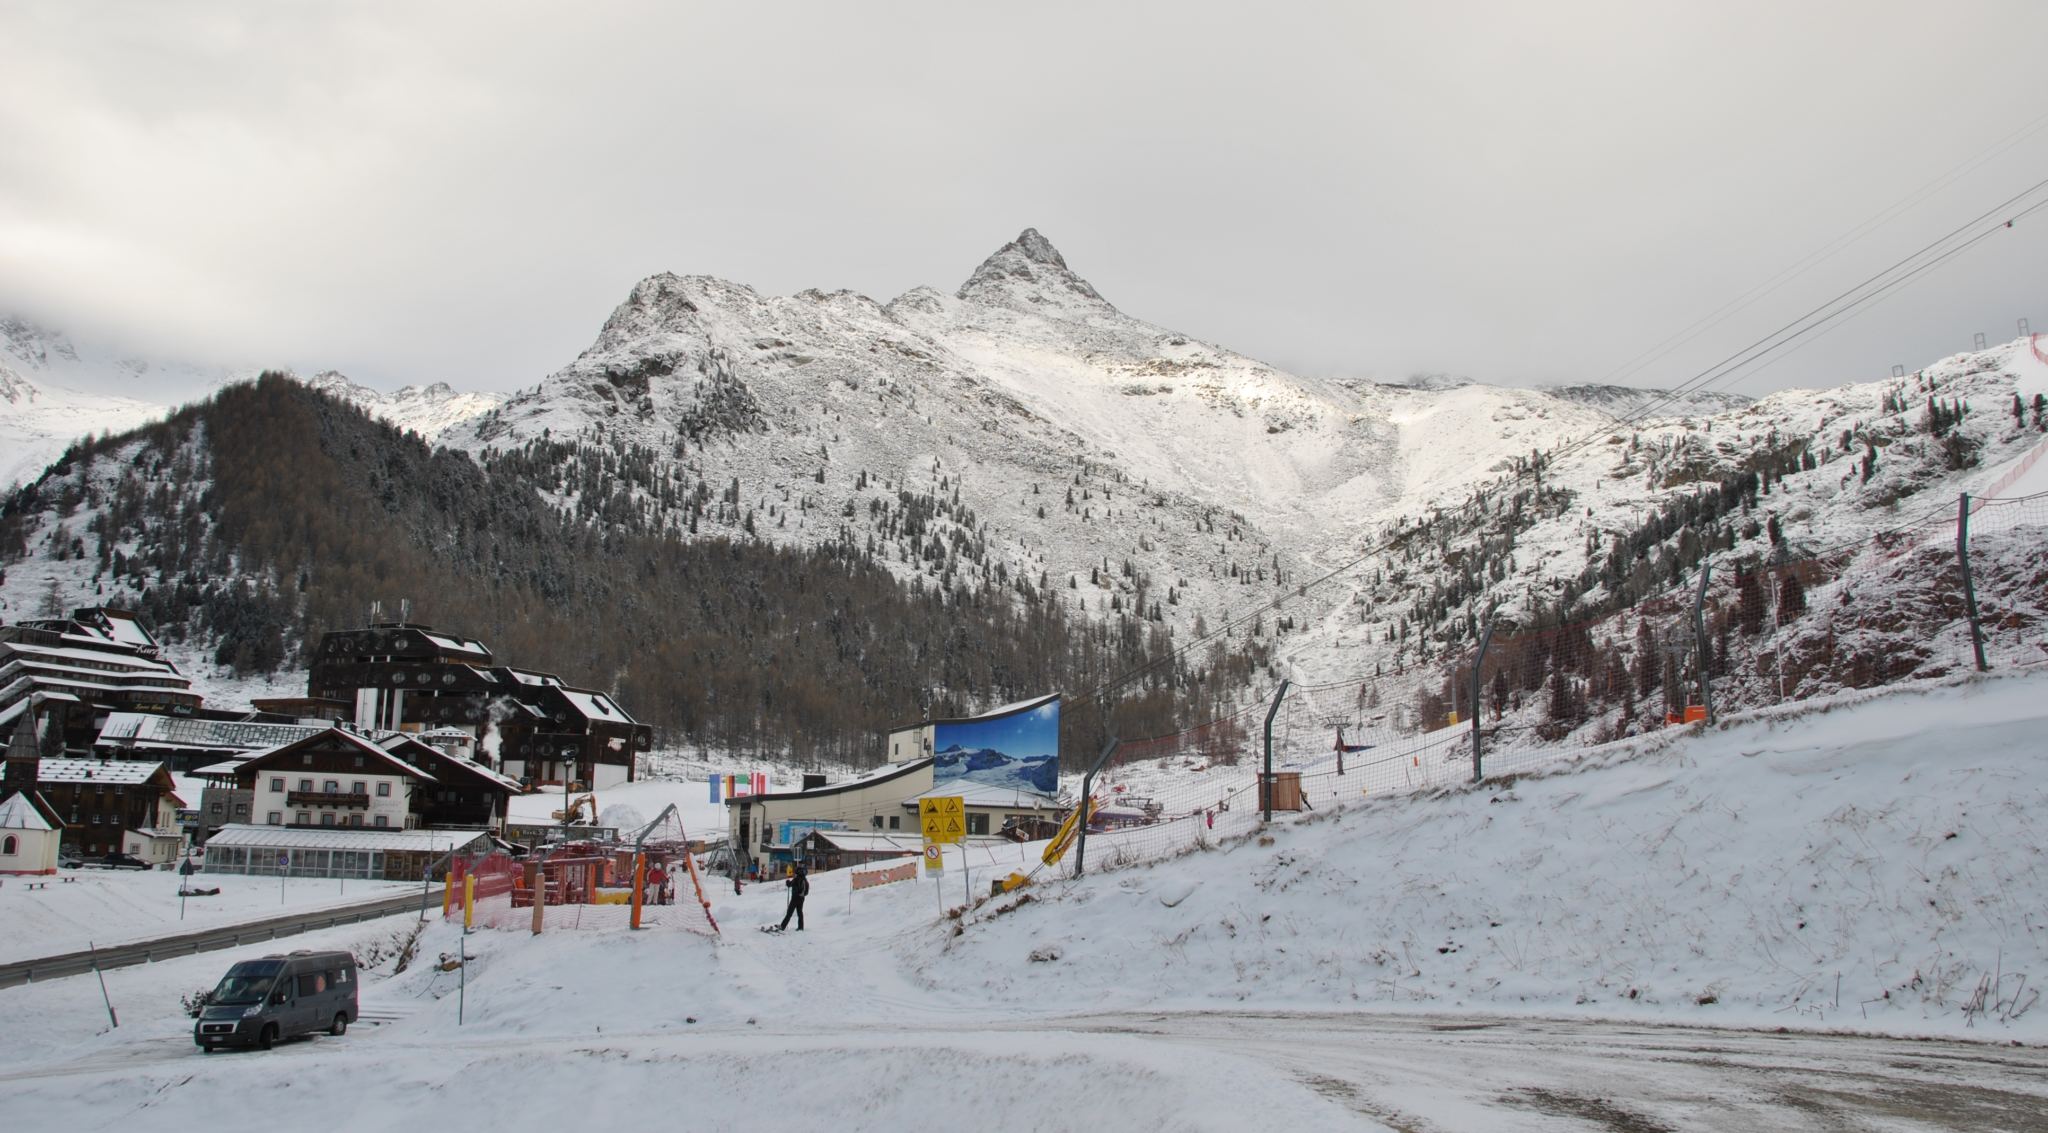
(1016, 746)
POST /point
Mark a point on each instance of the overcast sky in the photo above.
(1519, 193)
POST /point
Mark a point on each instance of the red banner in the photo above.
(905, 872)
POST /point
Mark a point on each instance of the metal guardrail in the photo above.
(206, 940)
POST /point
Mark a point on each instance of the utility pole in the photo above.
(1969, 587)
(1266, 783)
(1478, 664)
(1699, 636)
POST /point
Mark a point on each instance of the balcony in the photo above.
(327, 798)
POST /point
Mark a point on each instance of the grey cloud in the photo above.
(1516, 192)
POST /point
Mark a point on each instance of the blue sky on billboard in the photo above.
(1025, 734)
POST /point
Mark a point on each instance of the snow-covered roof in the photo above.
(880, 774)
(96, 656)
(225, 769)
(125, 629)
(456, 643)
(147, 730)
(342, 838)
(391, 763)
(153, 832)
(872, 842)
(18, 813)
(393, 741)
(119, 772)
(595, 705)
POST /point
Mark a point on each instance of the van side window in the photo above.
(312, 983)
(338, 978)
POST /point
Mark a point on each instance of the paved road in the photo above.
(207, 940)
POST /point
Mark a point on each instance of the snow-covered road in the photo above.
(1199, 1070)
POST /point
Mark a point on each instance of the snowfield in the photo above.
(103, 908)
(1507, 956)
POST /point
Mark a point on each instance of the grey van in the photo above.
(261, 1001)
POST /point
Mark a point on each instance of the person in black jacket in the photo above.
(799, 887)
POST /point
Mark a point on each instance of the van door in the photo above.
(310, 1002)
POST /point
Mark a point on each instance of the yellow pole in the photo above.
(468, 900)
(639, 885)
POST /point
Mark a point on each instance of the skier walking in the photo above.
(799, 884)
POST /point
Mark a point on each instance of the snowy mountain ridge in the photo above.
(429, 410)
(1140, 471)
(1083, 448)
(44, 374)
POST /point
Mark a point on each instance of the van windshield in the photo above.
(246, 983)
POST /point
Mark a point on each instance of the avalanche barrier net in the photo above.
(650, 881)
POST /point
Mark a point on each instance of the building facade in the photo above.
(71, 673)
(530, 725)
(101, 800)
(334, 779)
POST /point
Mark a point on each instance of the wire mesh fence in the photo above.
(1737, 638)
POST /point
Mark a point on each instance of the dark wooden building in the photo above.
(532, 726)
(464, 793)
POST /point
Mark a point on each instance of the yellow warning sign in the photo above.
(943, 819)
(934, 859)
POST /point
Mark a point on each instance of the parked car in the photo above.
(120, 861)
(260, 1002)
(69, 860)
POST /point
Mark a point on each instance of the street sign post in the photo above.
(284, 866)
(944, 820)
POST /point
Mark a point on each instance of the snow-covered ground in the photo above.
(109, 907)
(1502, 957)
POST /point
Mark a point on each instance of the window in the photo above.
(878, 822)
(7, 845)
(277, 783)
(977, 824)
(355, 820)
(305, 818)
(326, 818)
(306, 785)
(275, 818)
(359, 759)
(306, 760)
(895, 822)
(380, 820)
(384, 790)
(359, 788)
(331, 787)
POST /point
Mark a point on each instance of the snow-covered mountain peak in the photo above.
(427, 410)
(1029, 274)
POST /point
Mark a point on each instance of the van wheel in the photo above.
(268, 1037)
(208, 1047)
(340, 1026)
